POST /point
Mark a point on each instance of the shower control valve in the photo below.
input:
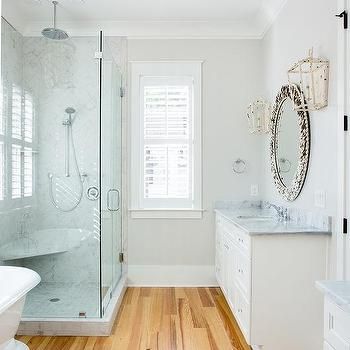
(93, 193)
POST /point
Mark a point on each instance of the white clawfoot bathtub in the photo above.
(15, 283)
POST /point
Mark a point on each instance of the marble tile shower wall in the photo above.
(12, 211)
(65, 74)
(61, 75)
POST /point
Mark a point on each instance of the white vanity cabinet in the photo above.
(268, 282)
(233, 270)
(336, 327)
(336, 319)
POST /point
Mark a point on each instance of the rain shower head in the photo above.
(54, 33)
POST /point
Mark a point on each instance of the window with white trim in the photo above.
(166, 135)
(16, 143)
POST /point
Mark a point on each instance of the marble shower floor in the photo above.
(72, 299)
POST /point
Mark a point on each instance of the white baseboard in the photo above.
(171, 276)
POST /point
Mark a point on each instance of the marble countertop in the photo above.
(264, 222)
(339, 291)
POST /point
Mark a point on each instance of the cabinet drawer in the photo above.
(242, 313)
(229, 231)
(243, 242)
(242, 273)
(241, 239)
(336, 326)
(227, 264)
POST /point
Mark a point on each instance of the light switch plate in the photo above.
(254, 190)
(320, 198)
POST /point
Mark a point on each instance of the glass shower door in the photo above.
(110, 170)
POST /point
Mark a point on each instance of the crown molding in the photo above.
(269, 12)
(253, 28)
(156, 29)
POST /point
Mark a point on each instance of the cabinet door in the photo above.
(218, 252)
(242, 273)
(242, 313)
(228, 267)
(230, 272)
(225, 263)
(336, 326)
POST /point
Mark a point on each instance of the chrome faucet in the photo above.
(282, 213)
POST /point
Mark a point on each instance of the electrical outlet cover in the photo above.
(254, 190)
(320, 198)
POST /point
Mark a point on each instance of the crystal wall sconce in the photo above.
(312, 76)
(259, 116)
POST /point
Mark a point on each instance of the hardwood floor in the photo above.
(161, 319)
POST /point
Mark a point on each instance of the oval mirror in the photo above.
(290, 142)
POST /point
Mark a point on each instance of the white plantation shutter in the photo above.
(28, 128)
(28, 118)
(16, 171)
(16, 120)
(165, 108)
(167, 140)
(16, 144)
(166, 171)
(28, 172)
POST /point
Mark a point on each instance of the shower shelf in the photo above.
(42, 242)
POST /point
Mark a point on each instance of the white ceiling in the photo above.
(147, 18)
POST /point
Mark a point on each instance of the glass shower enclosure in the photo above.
(61, 169)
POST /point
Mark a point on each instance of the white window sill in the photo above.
(166, 213)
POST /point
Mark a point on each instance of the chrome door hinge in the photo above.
(122, 92)
(98, 55)
(345, 226)
(121, 257)
(346, 123)
(344, 16)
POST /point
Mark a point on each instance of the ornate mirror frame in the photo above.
(293, 92)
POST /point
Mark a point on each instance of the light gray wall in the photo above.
(300, 26)
(234, 73)
(231, 79)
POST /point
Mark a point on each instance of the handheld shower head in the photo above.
(54, 33)
(70, 119)
(70, 110)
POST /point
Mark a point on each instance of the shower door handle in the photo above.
(110, 191)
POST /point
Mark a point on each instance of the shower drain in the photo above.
(54, 300)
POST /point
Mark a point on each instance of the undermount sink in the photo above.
(255, 217)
